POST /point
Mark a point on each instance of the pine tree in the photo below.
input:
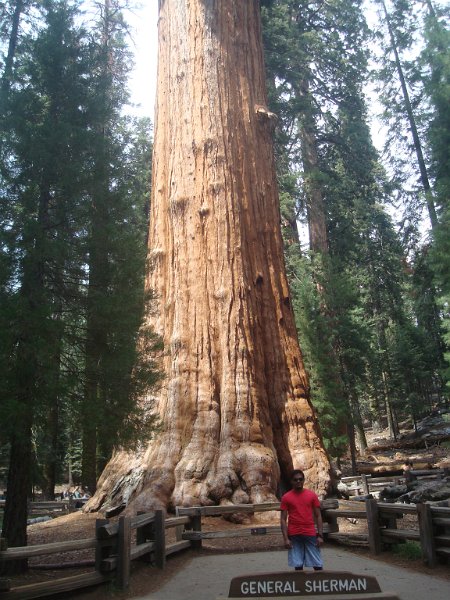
(117, 214)
(435, 57)
(43, 113)
(47, 187)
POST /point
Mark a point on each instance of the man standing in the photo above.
(300, 514)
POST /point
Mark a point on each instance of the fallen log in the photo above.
(411, 443)
(392, 468)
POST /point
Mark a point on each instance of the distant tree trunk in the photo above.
(52, 425)
(315, 202)
(412, 124)
(9, 59)
(51, 461)
(318, 242)
(91, 408)
(234, 404)
(96, 326)
(359, 429)
(18, 492)
(31, 333)
(352, 446)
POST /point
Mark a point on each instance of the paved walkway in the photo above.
(208, 577)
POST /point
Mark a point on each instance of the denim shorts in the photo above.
(304, 552)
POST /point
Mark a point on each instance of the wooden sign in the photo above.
(304, 584)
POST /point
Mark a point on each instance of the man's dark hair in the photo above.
(297, 472)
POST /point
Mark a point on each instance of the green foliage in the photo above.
(74, 187)
(409, 550)
(436, 60)
(366, 314)
(318, 335)
(441, 266)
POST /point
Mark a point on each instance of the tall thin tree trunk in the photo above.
(352, 446)
(234, 404)
(51, 429)
(412, 123)
(30, 335)
(317, 222)
(17, 495)
(318, 239)
(9, 59)
(51, 461)
(358, 422)
(96, 343)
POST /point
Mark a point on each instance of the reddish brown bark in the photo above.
(234, 404)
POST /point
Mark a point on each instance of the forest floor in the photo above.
(144, 579)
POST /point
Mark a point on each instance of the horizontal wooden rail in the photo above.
(441, 521)
(177, 546)
(244, 532)
(440, 510)
(370, 479)
(176, 522)
(358, 538)
(43, 503)
(142, 550)
(407, 509)
(45, 549)
(49, 504)
(402, 534)
(107, 531)
(141, 520)
(427, 472)
(47, 588)
(345, 513)
(110, 530)
(443, 538)
(209, 511)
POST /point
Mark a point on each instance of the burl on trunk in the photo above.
(234, 403)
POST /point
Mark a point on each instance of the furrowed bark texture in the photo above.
(234, 403)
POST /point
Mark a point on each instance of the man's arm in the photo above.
(284, 529)
(319, 524)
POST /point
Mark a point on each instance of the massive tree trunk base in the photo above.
(247, 473)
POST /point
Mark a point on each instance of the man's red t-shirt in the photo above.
(300, 506)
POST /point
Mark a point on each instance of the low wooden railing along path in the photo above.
(432, 526)
(51, 508)
(114, 551)
(363, 485)
(116, 546)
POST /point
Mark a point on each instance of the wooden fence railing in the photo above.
(196, 535)
(116, 546)
(431, 528)
(363, 485)
(114, 550)
(53, 508)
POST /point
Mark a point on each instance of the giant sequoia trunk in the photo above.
(234, 404)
